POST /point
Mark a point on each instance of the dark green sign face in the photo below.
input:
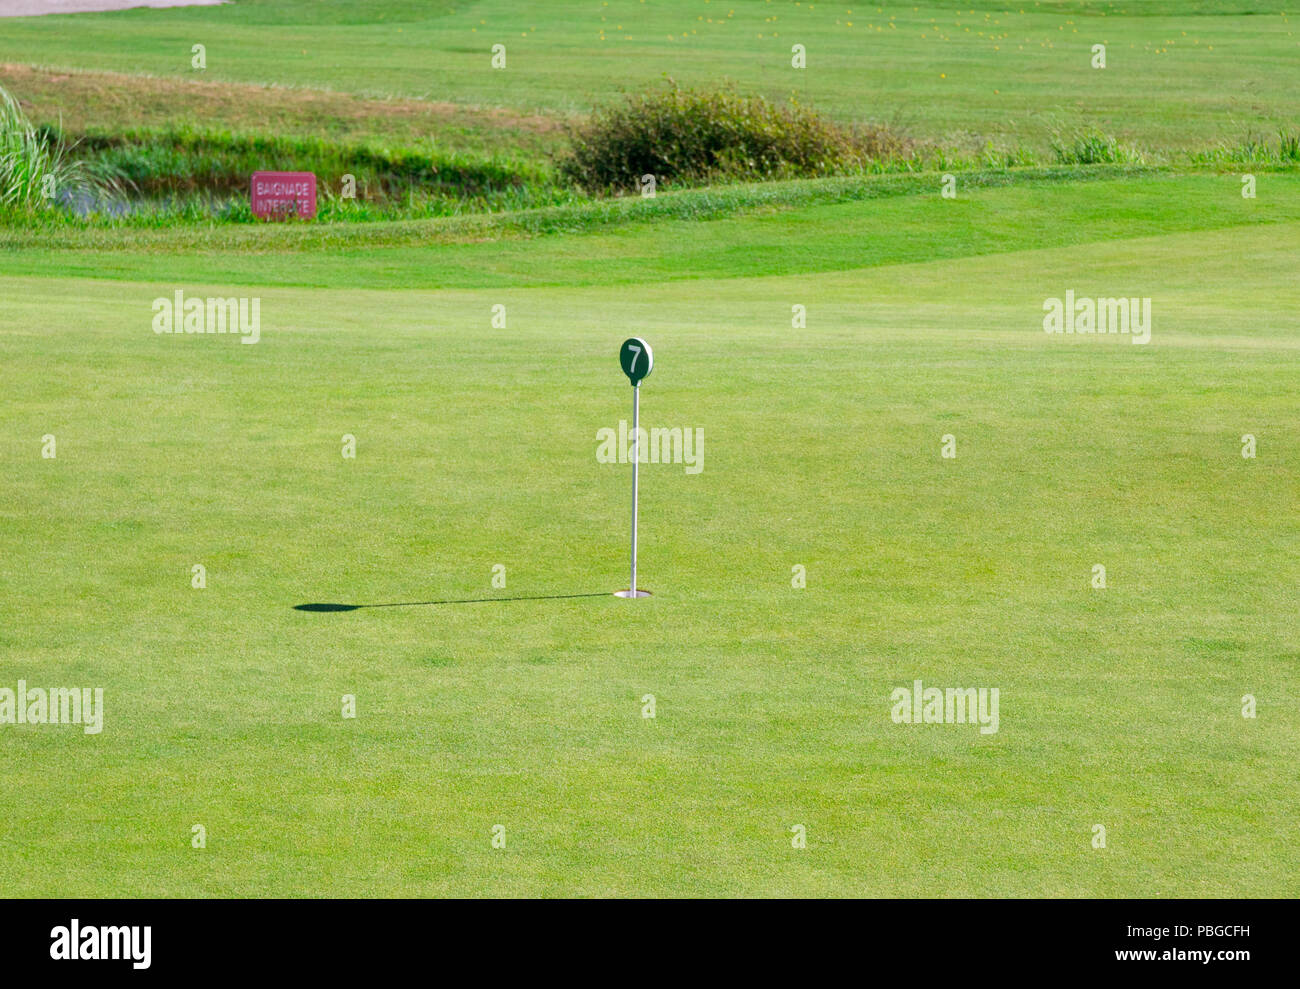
(636, 358)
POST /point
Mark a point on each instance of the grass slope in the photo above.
(771, 229)
(91, 102)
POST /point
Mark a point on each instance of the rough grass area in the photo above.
(186, 162)
(1280, 152)
(85, 102)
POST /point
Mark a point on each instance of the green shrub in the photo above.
(683, 136)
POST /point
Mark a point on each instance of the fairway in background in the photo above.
(1177, 75)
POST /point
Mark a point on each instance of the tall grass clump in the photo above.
(1253, 150)
(36, 170)
(684, 136)
(1092, 147)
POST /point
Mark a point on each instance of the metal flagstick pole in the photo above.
(636, 464)
(637, 360)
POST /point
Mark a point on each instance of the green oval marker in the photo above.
(636, 358)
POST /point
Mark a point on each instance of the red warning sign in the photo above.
(279, 195)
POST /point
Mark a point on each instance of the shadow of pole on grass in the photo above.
(420, 604)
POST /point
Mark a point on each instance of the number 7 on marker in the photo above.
(637, 351)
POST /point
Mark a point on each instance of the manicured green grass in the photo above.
(476, 446)
(1177, 75)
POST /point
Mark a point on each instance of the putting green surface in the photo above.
(523, 707)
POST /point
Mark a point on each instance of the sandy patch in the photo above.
(34, 8)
